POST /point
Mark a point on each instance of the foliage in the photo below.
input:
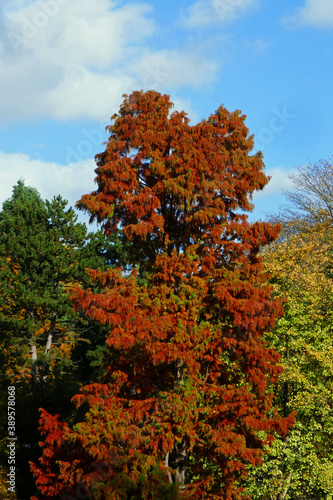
(186, 373)
(5, 494)
(302, 464)
(38, 244)
(43, 252)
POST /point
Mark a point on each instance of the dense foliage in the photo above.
(185, 394)
(300, 466)
(176, 330)
(43, 252)
(39, 250)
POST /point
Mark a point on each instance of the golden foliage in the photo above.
(300, 263)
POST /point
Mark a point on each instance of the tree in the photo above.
(301, 466)
(43, 343)
(44, 251)
(39, 247)
(312, 196)
(186, 373)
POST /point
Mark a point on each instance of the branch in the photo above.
(282, 495)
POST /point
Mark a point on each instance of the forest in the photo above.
(179, 351)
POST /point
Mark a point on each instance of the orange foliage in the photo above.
(187, 373)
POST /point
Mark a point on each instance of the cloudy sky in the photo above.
(66, 63)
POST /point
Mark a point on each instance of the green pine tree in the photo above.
(44, 251)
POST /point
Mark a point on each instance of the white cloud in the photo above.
(50, 179)
(207, 12)
(68, 59)
(82, 93)
(316, 13)
(279, 182)
(89, 33)
(77, 178)
(176, 69)
(185, 105)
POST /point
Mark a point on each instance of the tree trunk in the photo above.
(50, 335)
(179, 373)
(33, 353)
(48, 345)
(179, 454)
(34, 357)
(282, 495)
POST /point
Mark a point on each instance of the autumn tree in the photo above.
(301, 466)
(300, 264)
(186, 388)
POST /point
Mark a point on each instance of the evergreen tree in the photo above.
(44, 251)
(40, 243)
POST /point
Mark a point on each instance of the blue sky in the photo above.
(66, 63)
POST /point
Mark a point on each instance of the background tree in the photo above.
(311, 198)
(301, 466)
(300, 263)
(44, 251)
(186, 373)
(43, 343)
(39, 244)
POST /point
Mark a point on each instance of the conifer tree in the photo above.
(186, 389)
(37, 244)
(43, 343)
(43, 251)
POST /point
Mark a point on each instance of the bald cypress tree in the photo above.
(186, 384)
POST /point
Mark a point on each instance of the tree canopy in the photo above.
(301, 465)
(186, 386)
(40, 243)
